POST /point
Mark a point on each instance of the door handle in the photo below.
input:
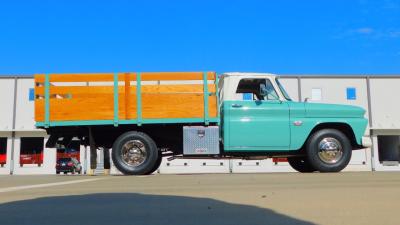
(236, 105)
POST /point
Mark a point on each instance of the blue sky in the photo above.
(284, 37)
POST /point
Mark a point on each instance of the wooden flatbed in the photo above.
(125, 98)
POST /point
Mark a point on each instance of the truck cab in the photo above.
(259, 117)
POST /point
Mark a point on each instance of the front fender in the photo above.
(301, 128)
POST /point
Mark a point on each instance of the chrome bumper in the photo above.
(366, 141)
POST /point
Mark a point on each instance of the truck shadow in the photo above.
(130, 208)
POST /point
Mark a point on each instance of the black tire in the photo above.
(301, 164)
(313, 150)
(149, 162)
(57, 172)
(65, 172)
(158, 163)
(73, 171)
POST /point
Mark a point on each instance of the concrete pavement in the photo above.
(278, 198)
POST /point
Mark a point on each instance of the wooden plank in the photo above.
(95, 77)
(128, 113)
(77, 90)
(183, 88)
(176, 76)
(104, 77)
(156, 89)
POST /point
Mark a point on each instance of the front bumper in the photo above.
(366, 141)
(64, 169)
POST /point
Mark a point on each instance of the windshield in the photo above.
(285, 94)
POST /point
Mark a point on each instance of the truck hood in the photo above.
(333, 110)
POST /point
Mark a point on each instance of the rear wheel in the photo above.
(135, 153)
(156, 165)
(328, 150)
(301, 164)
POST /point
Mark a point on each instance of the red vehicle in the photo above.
(3, 151)
(68, 153)
(3, 159)
(31, 159)
(66, 165)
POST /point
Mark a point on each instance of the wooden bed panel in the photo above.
(68, 103)
(89, 107)
(39, 110)
(212, 106)
(100, 107)
(173, 106)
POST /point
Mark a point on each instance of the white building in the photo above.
(22, 148)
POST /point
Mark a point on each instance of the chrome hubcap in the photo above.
(330, 150)
(134, 153)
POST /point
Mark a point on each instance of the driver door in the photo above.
(259, 123)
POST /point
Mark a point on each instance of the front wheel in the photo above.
(134, 153)
(328, 150)
(301, 164)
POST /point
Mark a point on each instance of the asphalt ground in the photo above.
(217, 199)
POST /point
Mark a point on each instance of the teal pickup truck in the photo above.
(254, 119)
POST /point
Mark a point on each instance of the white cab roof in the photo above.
(269, 75)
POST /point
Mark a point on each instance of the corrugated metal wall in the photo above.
(372, 93)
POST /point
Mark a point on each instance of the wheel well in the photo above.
(342, 127)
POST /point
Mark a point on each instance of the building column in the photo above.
(93, 153)
(107, 164)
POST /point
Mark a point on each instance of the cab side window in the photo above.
(270, 93)
(257, 89)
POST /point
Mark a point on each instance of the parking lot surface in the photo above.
(279, 198)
